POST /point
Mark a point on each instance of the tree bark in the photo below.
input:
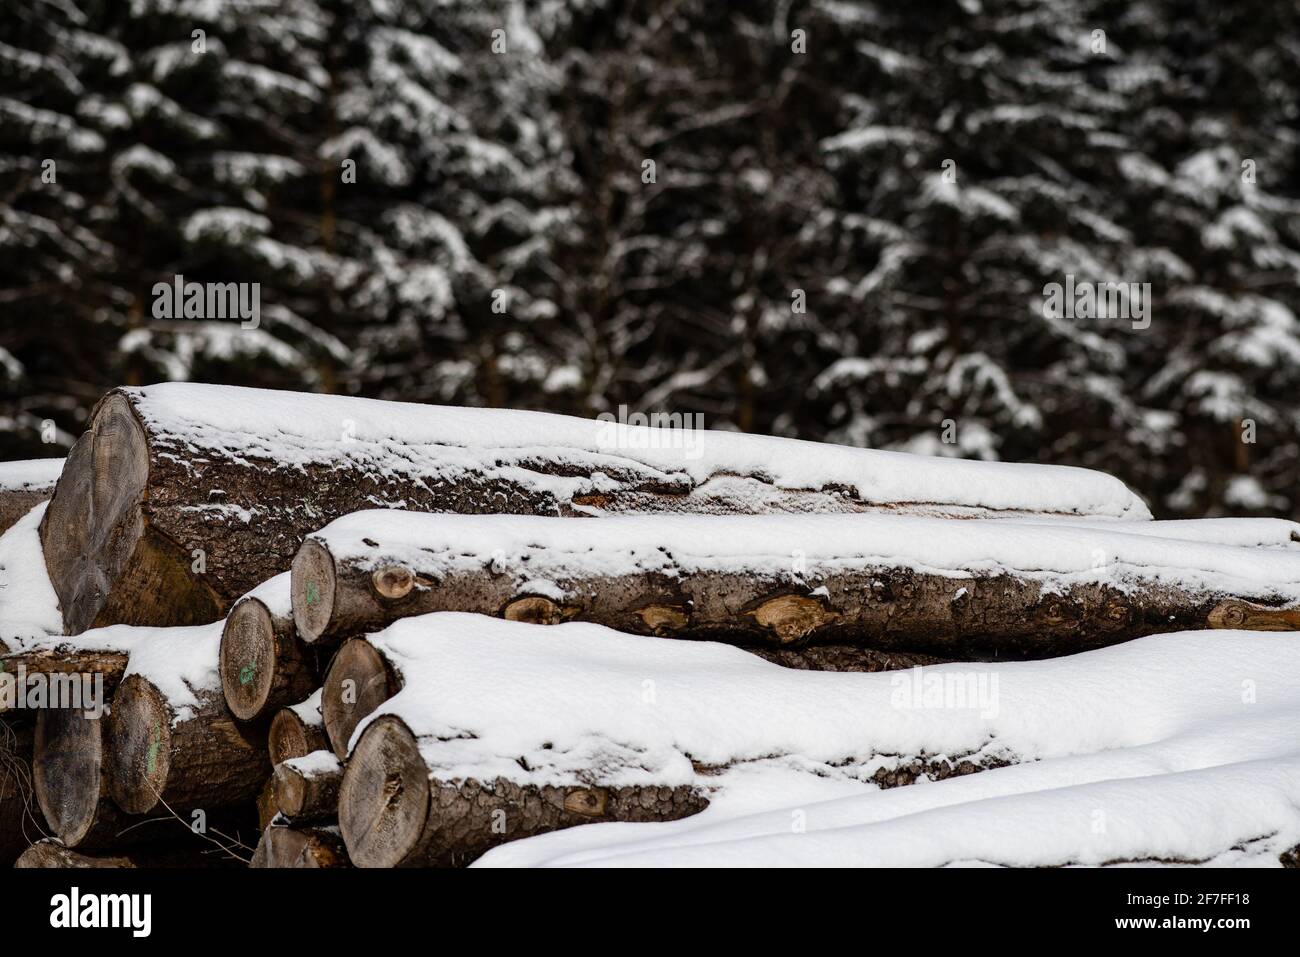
(297, 731)
(63, 659)
(263, 664)
(205, 760)
(156, 520)
(23, 486)
(307, 789)
(393, 813)
(50, 853)
(755, 602)
(300, 847)
(15, 503)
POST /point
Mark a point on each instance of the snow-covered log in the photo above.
(173, 741)
(962, 589)
(181, 497)
(396, 811)
(1165, 733)
(24, 485)
(96, 667)
(307, 788)
(29, 607)
(300, 847)
(264, 666)
(297, 730)
(18, 822)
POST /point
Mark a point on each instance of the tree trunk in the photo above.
(300, 847)
(204, 760)
(689, 585)
(180, 498)
(297, 731)
(307, 788)
(393, 813)
(359, 680)
(263, 664)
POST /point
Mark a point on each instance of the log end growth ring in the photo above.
(67, 771)
(384, 800)
(248, 658)
(358, 682)
(140, 742)
(312, 585)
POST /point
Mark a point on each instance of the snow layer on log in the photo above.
(30, 475)
(552, 704)
(29, 607)
(392, 438)
(560, 552)
(309, 710)
(1242, 532)
(1178, 748)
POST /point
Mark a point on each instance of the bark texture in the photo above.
(205, 760)
(894, 609)
(64, 659)
(393, 813)
(15, 503)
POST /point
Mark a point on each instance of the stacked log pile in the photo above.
(225, 579)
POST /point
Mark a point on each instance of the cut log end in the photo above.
(307, 797)
(291, 737)
(67, 773)
(140, 740)
(313, 589)
(358, 682)
(392, 582)
(384, 799)
(291, 847)
(248, 659)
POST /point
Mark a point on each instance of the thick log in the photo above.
(297, 731)
(300, 847)
(70, 775)
(1013, 589)
(307, 788)
(19, 825)
(202, 759)
(24, 485)
(263, 664)
(393, 813)
(180, 498)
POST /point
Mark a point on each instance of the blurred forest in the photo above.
(743, 210)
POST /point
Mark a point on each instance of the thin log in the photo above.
(300, 847)
(297, 731)
(180, 498)
(392, 812)
(307, 788)
(721, 578)
(263, 664)
(359, 680)
(50, 853)
(203, 759)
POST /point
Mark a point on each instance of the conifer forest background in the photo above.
(816, 218)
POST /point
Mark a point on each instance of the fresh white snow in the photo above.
(30, 475)
(29, 607)
(555, 551)
(300, 429)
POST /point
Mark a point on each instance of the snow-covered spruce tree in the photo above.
(55, 260)
(445, 110)
(971, 165)
(695, 133)
(1211, 179)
